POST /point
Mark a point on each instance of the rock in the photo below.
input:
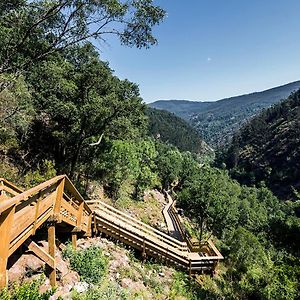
(81, 287)
(126, 282)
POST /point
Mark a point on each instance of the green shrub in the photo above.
(25, 291)
(90, 263)
(105, 291)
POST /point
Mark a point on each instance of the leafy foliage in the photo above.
(33, 30)
(90, 263)
(26, 291)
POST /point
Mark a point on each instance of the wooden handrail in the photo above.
(9, 187)
(23, 214)
(25, 195)
(144, 227)
(59, 201)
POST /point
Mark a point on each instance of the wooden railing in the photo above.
(8, 189)
(55, 201)
(116, 214)
(151, 241)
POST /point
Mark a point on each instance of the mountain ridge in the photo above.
(217, 121)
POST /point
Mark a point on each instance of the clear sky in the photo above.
(212, 49)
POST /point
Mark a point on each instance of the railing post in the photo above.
(95, 230)
(74, 240)
(144, 254)
(6, 222)
(37, 206)
(58, 200)
(51, 249)
(89, 229)
(79, 215)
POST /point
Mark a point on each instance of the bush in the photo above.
(26, 291)
(90, 263)
(106, 291)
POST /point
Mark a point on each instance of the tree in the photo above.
(16, 107)
(212, 199)
(131, 161)
(169, 165)
(32, 30)
(77, 99)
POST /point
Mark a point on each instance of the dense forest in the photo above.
(64, 111)
(267, 149)
(217, 121)
(171, 129)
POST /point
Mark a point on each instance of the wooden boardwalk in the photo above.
(59, 205)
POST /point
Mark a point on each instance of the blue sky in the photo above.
(212, 49)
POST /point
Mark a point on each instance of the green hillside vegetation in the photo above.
(218, 121)
(267, 149)
(169, 128)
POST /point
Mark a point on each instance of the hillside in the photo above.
(217, 121)
(267, 148)
(174, 130)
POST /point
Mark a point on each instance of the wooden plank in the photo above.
(58, 199)
(29, 193)
(10, 191)
(37, 205)
(71, 188)
(70, 208)
(11, 185)
(51, 245)
(16, 243)
(79, 214)
(26, 216)
(6, 221)
(40, 253)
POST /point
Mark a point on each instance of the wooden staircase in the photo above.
(59, 205)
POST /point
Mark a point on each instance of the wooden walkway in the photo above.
(59, 205)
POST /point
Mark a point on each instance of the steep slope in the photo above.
(174, 130)
(268, 148)
(217, 121)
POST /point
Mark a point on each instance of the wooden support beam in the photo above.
(74, 240)
(95, 229)
(40, 253)
(58, 199)
(51, 245)
(89, 227)
(6, 222)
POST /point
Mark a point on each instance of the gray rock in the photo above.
(81, 287)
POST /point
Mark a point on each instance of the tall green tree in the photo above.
(78, 100)
(212, 199)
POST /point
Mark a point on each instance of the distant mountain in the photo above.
(268, 148)
(169, 128)
(217, 121)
